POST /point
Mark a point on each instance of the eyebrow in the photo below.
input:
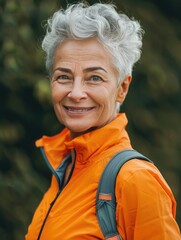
(89, 69)
(67, 70)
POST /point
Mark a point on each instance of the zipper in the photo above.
(49, 210)
(58, 193)
(71, 171)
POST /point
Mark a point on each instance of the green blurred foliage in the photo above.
(153, 104)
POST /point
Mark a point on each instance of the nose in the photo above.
(77, 92)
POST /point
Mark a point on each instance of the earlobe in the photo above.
(123, 89)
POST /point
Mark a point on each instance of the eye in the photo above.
(96, 78)
(62, 77)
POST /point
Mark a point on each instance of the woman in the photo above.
(91, 51)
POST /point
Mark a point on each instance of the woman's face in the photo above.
(84, 86)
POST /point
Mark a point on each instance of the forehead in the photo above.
(85, 52)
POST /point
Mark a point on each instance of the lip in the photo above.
(78, 110)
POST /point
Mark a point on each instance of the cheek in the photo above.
(57, 94)
(108, 96)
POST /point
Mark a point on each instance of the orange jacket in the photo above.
(145, 204)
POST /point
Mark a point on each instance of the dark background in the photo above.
(153, 105)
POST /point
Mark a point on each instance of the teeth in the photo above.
(78, 110)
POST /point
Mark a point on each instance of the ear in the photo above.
(123, 89)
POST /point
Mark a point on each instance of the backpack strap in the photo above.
(105, 198)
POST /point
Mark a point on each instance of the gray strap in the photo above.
(105, 198)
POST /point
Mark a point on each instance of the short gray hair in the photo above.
(120, 35)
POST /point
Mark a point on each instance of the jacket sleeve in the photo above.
(145, 205)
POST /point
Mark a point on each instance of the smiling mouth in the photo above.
(78, 109)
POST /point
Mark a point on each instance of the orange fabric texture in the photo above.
(146, 207)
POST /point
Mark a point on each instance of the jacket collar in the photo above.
(87, 146)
